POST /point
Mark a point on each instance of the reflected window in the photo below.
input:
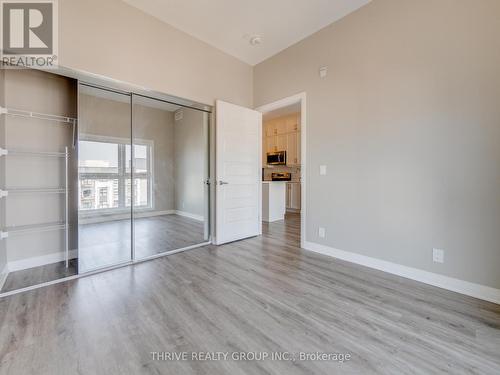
(104, 169)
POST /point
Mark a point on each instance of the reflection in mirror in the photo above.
(104, 204)
(170, 159)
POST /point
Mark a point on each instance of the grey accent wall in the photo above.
(191, 162)
(408, 123)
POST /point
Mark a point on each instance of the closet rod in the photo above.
(42, 116)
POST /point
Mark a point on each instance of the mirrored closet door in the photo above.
(170, 171)
(92, 177)
(104, 178)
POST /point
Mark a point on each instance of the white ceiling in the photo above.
(229, 24)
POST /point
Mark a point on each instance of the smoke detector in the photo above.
(255, 40)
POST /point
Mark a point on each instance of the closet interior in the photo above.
(94, 177)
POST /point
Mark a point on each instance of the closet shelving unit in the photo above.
(5, 193)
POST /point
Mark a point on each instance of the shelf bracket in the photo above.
(4, 235)
(4, 193)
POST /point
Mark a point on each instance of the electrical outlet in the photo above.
(321, 232)
(438, 255)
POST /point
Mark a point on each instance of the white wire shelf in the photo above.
(22, 229)
(43, 227)
(37, 115)
(6, 152)
(18, 190)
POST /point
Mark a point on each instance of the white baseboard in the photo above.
(140, 214)
(22, 264)
(460, 286)
(3, 276)
(190, 215)
(125, 216)
(153, 213)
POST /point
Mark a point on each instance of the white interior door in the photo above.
(238, 172)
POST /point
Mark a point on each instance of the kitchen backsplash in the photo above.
(295, 171)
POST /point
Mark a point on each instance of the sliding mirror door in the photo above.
(170, 170)
(105, 193)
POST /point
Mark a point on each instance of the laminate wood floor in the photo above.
(39, 275)
(263, 294)
(109, 243)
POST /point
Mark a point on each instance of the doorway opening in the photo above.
(284, 163)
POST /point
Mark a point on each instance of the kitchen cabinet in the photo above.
(291, 150)
(281, 142)
(281, 127)
(293, 156)
(270, 128)
(293, 196)
(278, 126)
(299, 149)
(271, 145)
(293, 123)
(283, 134)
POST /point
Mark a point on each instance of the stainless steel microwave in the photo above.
(276, 158)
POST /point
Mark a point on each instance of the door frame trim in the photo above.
(285, 102)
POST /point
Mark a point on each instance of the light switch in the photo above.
(322, 170)
(321, 232)
(323, 71)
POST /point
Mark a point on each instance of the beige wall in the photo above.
(408, 123)
(115, 40)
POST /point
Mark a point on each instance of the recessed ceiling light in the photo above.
(255, 40)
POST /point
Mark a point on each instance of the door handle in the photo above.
(223, 183)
